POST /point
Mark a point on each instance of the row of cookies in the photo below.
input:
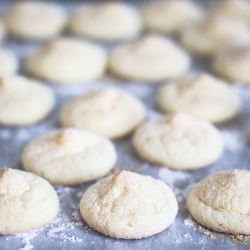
(116, 20)
(150, 59)
(127, 205)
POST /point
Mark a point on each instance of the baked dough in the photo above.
(129, 206)
(23, 101)
(235, 9)
(27, 201)
(35, 20)
(67, 61)
(69, 156)
(111, 112)
(215, 34)
(179, 142)
(8, 62)
(171, 16)
(234, 65)
(150, 59)
(106, 21)
(202, 96)
(221, 202)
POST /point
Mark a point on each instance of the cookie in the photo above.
(171, 16)
(106, 21)
(178, 142)
(69, 156)
(8, 62)
(235, 9)
(35, 20)
(23, 101)
(27, 202)
(111, 112)
(221, 202)
(234, 65)
(202, 96)
(150, 59)
(129, 206)
(67, 61)
(215, 34)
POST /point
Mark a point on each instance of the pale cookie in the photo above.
(106, 21)
(23, 101)
(150, 59)
(27, 202)
(234, 65)
(67, 61)
(178, 142)
(8, 62)
(170, 16)
(35, 20)
(215, 34)
(69, 156)
(235, 9)
(202, 96)
(111, 112)
(221, 202)
(129, 206)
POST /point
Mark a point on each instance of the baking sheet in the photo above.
(68, 231)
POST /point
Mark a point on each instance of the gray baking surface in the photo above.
(68, 231)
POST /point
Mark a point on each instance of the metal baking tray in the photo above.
(69, 231)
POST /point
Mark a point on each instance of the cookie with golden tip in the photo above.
(69, 156)
(27, 201)
(129, 206)
(221, 202)
(178, 141)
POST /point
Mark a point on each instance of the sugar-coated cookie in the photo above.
(235, 9)
(23, 101)
(149, 59)
(171, 16)
(27, 201)
(234, 65)
(106, 21)
(202, 96)
(179, 142)
(111, 112)
(35, 20)
(67, 61)
(69, 156)
(221, 202)
(215, 33)
(129, 206)
(8, 62)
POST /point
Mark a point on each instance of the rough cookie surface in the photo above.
(128, 205)
(221, 202)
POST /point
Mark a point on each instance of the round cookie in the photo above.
(221, 202)
(129, 206)
(215, 34)
(202, 96)
(35, 20)
(8, 62)
(234, 65)
(106, 21)
(235, 9)
(170, 16)
(178, 142)
(69, 156)
(150, 59)
(111, 112)
(27, 202)
(67, 61)
(23, 101)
